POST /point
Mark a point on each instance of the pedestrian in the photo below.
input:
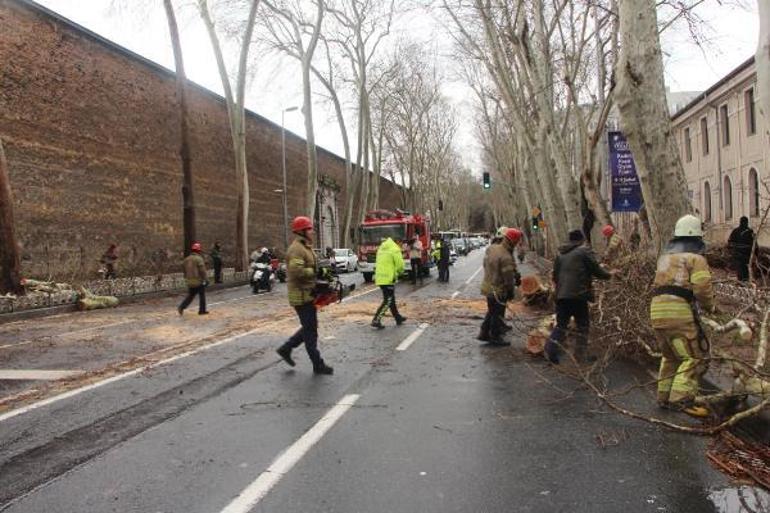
(302, 271)
(614, 244)
(443, 260)
(388, 267)
(741, 244)
(216, 260)
(110, 261)
(573, 273)
(196, 278)
(498, 285)
(682, 288)
(415, 259)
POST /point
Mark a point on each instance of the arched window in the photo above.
(753, 192)
(706, 202)
(728, 196)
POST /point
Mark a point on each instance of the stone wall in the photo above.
(91, 132)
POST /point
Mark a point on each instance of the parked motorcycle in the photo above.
(262, 277)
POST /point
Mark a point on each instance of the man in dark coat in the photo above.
(573, 273)
(216, 259)
(740, 244)
(443, 261)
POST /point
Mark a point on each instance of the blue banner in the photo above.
(626, 192)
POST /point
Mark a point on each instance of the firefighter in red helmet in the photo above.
(196, 278)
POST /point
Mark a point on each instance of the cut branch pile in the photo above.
(741, 459)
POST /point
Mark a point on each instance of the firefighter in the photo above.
(682, 288)
(389, 266)
(500, 280)
(614, 244)
(302, 269)
(196, 278)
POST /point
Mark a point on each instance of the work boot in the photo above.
(180, 310)
(285, 353)
(203, 313)
(700, 412)
(506, 327)
(400, 320)
(551, 352)
(322, 368)
(378, 325)
(498, 342)
(483, 336)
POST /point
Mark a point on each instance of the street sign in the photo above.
(626, 191)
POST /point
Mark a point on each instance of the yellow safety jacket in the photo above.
(300, 272)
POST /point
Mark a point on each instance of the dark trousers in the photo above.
(742, 268)
(110, 273)
(200, 291)
(388, 303)
(492, 326)
(566, 309)
(217, 270)
(416, 270)
(443, 271)
(307, 333)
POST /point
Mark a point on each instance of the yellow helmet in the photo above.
(688, 226)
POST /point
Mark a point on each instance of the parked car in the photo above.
(460, 246)
(452, 256)
(345, 260)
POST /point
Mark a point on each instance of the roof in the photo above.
(113, 46)
(705, 94)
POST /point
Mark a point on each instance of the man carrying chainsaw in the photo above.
(682, 288)
(302, 270)
(500, 281)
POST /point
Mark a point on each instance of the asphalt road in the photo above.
(416, 418)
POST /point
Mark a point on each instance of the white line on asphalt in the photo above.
(361, 294)
(36, 375)
(403, 346)
(455, 294)
(283, 464)
(473, 276)
(71, 393)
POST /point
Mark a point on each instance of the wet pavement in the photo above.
(416, 418)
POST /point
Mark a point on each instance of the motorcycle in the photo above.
(262, 277)
(279, 269)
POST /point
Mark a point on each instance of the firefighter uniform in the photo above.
(682, 286)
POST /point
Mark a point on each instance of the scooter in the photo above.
(262, 277)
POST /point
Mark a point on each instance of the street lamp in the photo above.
(283, 166)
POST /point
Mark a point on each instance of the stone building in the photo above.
(91, 132)
(723, 153)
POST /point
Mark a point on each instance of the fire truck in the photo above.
(399, 225)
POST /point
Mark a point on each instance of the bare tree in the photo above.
(10, 262)
(236, 112)
(762, 59)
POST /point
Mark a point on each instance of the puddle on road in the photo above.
(742, 499)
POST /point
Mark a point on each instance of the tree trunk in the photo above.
(10, 261)
(188, 202)
(762, 59)
(307, 110)
(641, 100)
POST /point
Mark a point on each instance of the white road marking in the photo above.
(455, 294)
(37, 375)
(467, 282)
(361, 294)
(71, 393)
(283, 464)
(403, 346)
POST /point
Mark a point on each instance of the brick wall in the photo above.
(91, 133)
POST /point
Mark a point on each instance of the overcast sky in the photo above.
(730, 32)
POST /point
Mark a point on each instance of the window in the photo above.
(706, 202)
(751, 120)
(687, 145)
(728, 195)
(724, 117)
(753, 192)
(704, 134)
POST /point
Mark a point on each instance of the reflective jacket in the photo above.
(389, 264)
(499, 271)
(194, 270)
(300, 272)
(681, 265)
(614, 248)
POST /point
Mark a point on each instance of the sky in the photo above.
(729, 34)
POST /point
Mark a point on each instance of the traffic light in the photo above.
(440, 204)
(487, 181)
(535, 224)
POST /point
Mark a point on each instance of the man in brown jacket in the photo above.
(500, 280)
(195, 275)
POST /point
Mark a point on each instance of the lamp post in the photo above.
(283, 166)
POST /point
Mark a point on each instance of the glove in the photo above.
(205, 283)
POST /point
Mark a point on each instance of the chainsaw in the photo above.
(329, 289)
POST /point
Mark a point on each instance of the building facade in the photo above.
(723, 153)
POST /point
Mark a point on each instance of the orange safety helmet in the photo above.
(608, 230)
(196, 246)
(301, 223)
(513, 234)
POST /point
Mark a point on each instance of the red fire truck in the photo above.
(401, 226)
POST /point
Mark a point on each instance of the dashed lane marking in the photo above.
(283, 464)
(408, 341)
(469, 280)
(455, 294)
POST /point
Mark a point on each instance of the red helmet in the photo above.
(301, 223)
(513, 234)
(196, 246)
(608, 230)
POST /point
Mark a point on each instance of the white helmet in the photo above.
(688, 226)
(263, 250)
(501, 231)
